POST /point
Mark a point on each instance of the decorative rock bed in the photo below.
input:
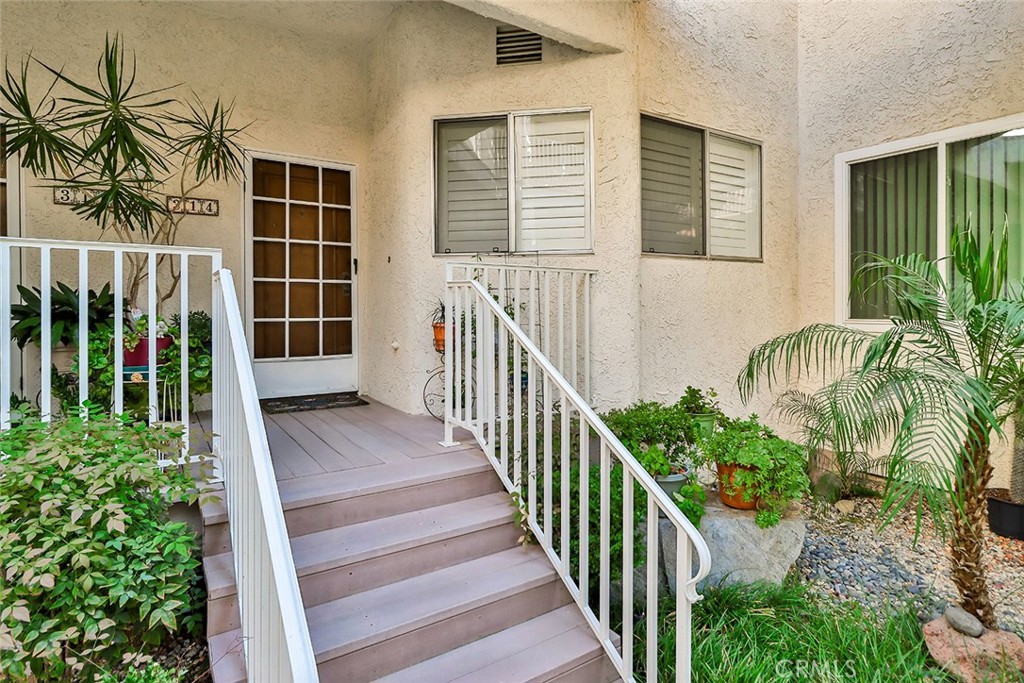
(847, 558)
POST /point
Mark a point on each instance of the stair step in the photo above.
(337, 499)
(371, 634)
(339, 562)
(227, 657)
(549, 647)
(422, 540)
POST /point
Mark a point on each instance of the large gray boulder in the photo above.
(741, 551)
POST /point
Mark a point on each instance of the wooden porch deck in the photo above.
(314, 442)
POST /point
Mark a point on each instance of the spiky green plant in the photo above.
(123, 150)
(936, 386)
(826, 426)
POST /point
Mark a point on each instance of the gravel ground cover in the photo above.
(846, 557)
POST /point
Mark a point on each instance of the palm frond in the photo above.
(815, 349)
(208, 140)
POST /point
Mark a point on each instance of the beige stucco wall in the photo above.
(731, 67)
(361, 83)
(436, 60)
(871, 72)
(299, 96)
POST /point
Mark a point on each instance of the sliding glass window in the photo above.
(911, 202)
(893, 211)
(986, 188)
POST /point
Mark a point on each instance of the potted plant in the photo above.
(437, 320)
(27, 318)
(756, 469)
(169, 363)
(702, 407)
(660, 437)
(136, 339)
(1006, 508)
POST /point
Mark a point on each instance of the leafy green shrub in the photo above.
(778, 468)
(92, 566)
(153, 673)
(698, 402)
(660, 437)
(28, 316)
(690, 499)
(762, 633)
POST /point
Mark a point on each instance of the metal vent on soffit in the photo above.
(514, 45)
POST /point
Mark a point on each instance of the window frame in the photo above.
(842, 162)
(513, 231)
(706, 133)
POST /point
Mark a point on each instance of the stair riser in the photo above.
(379, 571)
(320, 517)
(597, 670)
(407, 649)
(216, 539)
(222, 615)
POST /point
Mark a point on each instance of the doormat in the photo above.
(296, 404)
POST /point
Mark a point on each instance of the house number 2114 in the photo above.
(194, 206)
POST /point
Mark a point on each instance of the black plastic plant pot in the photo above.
(1006, 518)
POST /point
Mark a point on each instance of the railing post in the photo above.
(46, 338)
(684, 608)
(83, 328)
(118, 332)
(5, 336)
(151, 328)
(219, 370)
(183, 342)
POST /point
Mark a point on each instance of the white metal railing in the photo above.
(520, 425)
(40, 263)
(274, 629)
(550, 305)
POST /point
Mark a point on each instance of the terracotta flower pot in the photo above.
(725, 481)
(439, 329)
(139, 356)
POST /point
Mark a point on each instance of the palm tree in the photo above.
(1017, 471)
(124, 152)
(936, 387)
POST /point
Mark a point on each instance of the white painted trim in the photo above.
(513, 235)
(247, 239)
(972, 130)
(937, 140)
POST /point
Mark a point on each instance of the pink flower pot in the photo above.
(139, 356)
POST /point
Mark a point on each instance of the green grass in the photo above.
(768, 634)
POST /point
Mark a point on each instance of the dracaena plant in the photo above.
(935, 388)
(122, 148)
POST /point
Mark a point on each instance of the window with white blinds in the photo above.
(549, 181)
(734, 198)
(671, 188)
(472, 186)
(700, 192)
